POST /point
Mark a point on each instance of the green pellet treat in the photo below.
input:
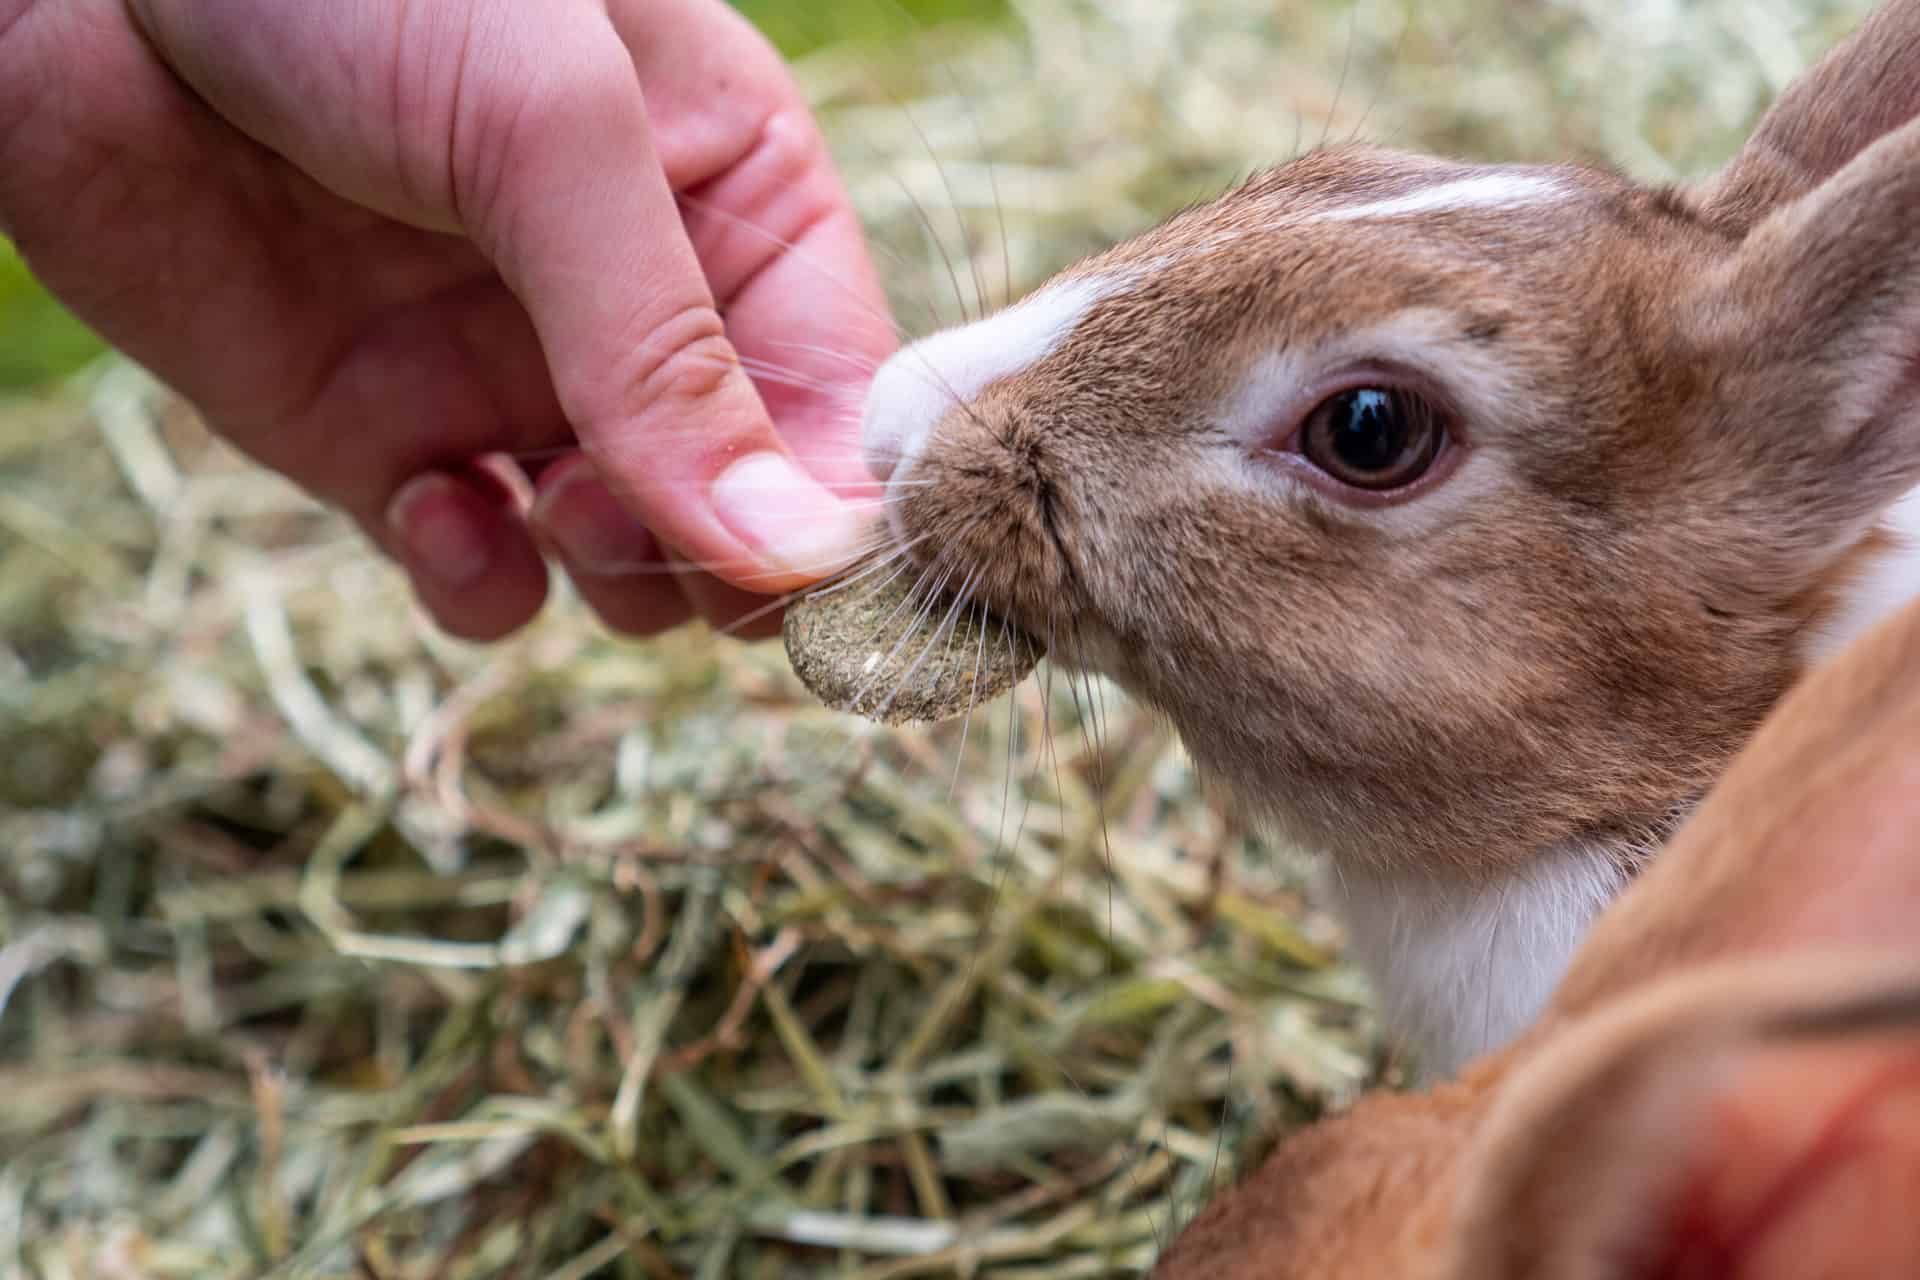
(872, 650)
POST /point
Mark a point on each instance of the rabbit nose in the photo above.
(882, 456)
(924, 381)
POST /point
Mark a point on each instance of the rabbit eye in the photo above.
(1373, 438)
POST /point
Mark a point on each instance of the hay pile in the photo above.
(329, 947)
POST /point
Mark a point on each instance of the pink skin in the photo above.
(377, 242)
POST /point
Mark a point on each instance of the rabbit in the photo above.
(1726, 1083)
(1463, 519)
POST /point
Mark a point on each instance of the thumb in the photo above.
(578, 215)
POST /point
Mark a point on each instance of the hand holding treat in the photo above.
(380, 245)
(882, 646)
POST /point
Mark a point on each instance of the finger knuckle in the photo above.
(683, 359)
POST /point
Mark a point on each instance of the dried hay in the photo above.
(329, 947)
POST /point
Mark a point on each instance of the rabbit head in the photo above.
(1454, 514)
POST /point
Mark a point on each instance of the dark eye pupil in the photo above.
(1375, 438)
(1369, 430)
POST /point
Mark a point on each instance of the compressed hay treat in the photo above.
(870, 649)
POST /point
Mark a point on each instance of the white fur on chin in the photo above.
(1461, 967)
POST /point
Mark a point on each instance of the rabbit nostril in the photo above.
(882, 459)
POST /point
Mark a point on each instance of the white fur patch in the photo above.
(920, 382)
(1460, 969)
(1886, 585)
(1487, 191)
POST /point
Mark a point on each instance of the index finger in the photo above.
(770, 220)
(573, 203)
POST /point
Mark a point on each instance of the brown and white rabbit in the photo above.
(1464, 519)
(1725, 1087)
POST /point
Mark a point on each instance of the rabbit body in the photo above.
(1466, 520)
(1726, 1082)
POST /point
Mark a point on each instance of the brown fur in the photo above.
(1573, 656)
(1677, 417)
(1445, 699)
(1727, 1081)
(1750, 1001)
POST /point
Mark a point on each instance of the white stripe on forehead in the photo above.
(1487, 191)
(918, 384)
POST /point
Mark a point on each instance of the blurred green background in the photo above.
(39, 341)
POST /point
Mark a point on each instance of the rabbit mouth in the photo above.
(882, 644)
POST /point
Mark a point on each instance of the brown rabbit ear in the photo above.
(1866, 86)
(1712, 1129)
(1810, 333)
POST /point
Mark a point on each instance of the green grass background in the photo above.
(39, 340)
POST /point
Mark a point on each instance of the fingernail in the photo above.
(787, 515)
(438, 531)
(590, 527)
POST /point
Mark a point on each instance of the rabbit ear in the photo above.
(1713, 1129)
(1866, 86)
(1810, 332)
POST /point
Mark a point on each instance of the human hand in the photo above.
(377, 243)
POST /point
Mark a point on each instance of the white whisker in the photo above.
(920, 615)
(801, 255)
(945, 627)
(858, 363)
(973, 693)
